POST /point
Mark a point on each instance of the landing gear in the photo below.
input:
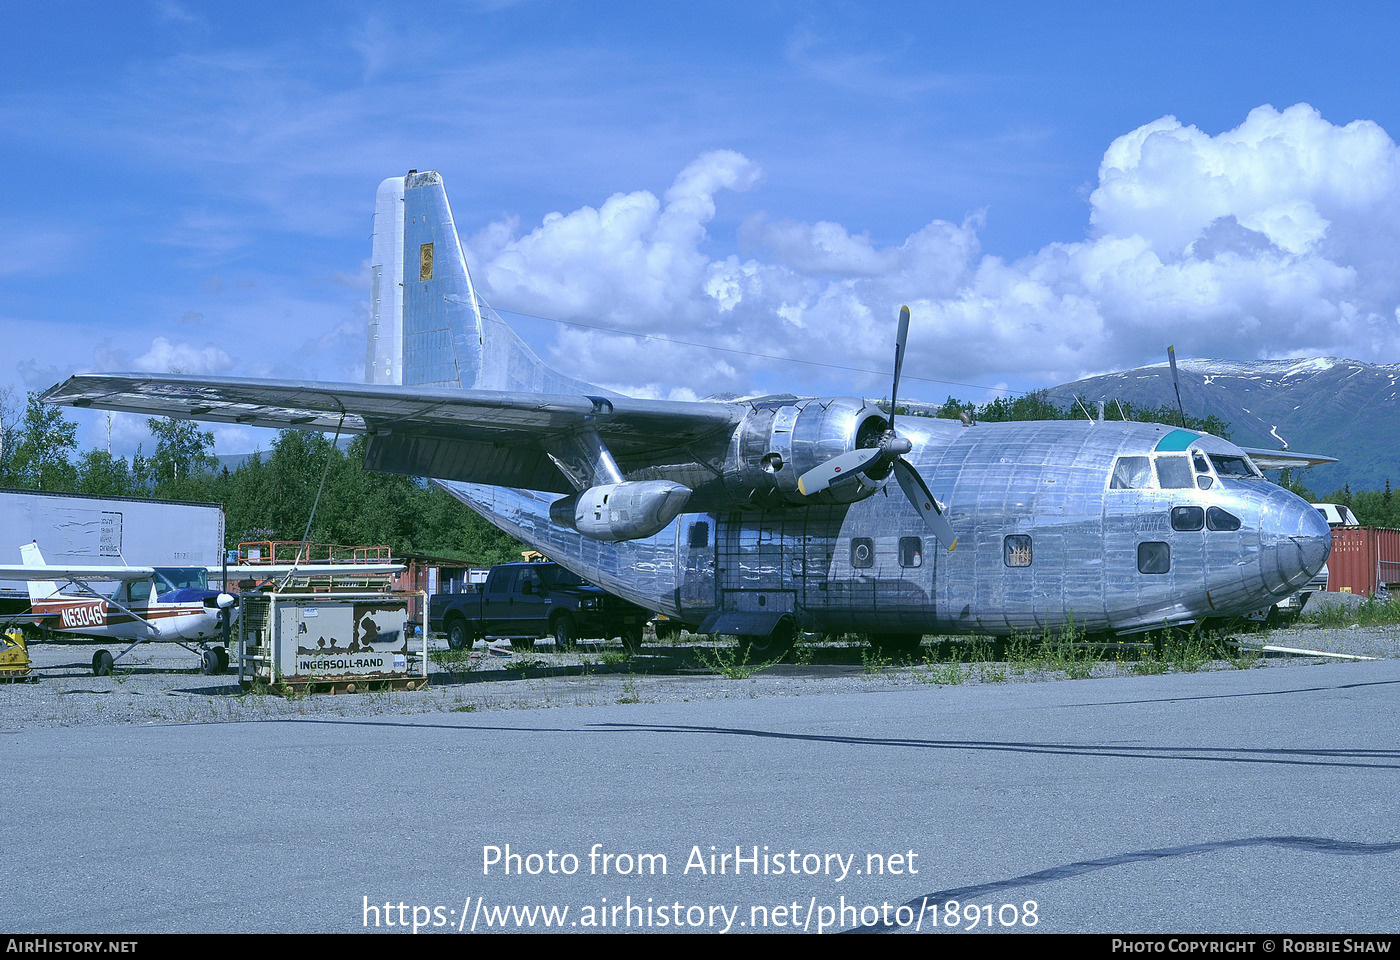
(209, 663)
(102, 663)
(774, 646)
(900, 646)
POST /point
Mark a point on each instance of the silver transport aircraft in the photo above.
(763, 516)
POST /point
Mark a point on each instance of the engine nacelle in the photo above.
(621, 511)
(778, 443)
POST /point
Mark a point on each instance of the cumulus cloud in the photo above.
(167, 357)
(1276, 238)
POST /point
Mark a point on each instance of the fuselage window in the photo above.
(911, 552)
(699, 535)
(1131, 473)
(1016, 550)
(140, 590)
(862, 552)
(1154, 557)
(1174, 473)
(1188, 518)
(1217, 519)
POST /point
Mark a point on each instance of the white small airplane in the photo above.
(172, 604)
(149, 603)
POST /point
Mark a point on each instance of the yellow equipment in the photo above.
(14, 656)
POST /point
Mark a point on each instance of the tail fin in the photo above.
(38, 589)
(427, 326)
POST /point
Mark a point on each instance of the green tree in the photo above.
(103, 475)
(46, 440)
(183, 457)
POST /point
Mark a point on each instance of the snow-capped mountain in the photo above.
(1341, 408)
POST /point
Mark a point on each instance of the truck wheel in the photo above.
(458, 636)
(563, 632)
(632, 639)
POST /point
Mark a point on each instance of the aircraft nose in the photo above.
(1294, 543)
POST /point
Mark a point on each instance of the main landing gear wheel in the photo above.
(774, 646)
(102, 664)
(563, 633)
(898, 645)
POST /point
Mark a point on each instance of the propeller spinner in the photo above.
(889, 452)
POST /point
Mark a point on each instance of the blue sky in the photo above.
(189, 186)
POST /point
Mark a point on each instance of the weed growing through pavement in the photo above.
(730, 661)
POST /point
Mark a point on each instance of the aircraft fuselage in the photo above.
(1112, 526)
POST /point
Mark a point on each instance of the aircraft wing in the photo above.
(263, 571)
(483, 436)
(1285, 459)
(62, 572)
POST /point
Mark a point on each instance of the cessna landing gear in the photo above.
(101, 663)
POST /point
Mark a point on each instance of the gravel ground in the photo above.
(163, 685)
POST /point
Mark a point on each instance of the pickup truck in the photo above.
(525, 601)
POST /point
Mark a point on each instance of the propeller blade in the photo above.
(850, 464)
(1176, 384)
(918, 493)
(899, 341)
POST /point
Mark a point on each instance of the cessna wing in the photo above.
(263, 571)
(538, 441)
(69, 572)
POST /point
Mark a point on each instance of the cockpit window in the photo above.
(1217, 519)
(180, 578)
(1131, 473)
(1174, 473)
(1228, 466)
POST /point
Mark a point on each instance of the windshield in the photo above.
(180, 578)
(1228, 466)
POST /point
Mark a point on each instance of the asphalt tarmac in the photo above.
(1261, 800)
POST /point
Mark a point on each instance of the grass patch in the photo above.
(1372, 612)
(732, 662)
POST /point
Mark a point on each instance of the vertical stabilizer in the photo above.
(38, 589)
(427, 326)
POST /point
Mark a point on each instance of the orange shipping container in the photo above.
(1363, 560)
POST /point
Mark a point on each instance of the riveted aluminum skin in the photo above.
(872, 566)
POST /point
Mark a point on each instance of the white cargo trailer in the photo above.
(75, 529)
